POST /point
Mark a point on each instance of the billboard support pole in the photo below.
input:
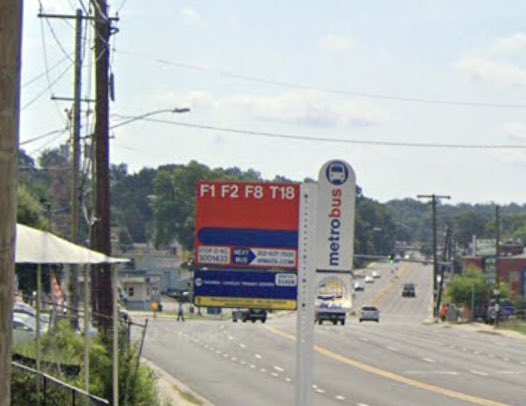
(306, 287)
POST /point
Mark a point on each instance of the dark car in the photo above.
(253, 315)
(408, 290)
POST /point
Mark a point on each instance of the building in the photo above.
(141, 288)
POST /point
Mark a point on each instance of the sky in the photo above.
(415, 95)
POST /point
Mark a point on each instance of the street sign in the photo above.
(246, 289)
(335, 217)
(247, 225)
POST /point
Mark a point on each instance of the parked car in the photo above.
(408, 290)
(358, 287)
(237, 314)
(375, 275)
(368, 279)
(254, 314)
(369, 313)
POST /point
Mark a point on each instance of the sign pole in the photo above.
(306, 286)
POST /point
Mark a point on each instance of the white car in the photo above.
(368, 279)
(358, 287)
(369, 313)
(375, 275)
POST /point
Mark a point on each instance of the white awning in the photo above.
(40, 247)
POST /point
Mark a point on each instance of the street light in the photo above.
(151, 113)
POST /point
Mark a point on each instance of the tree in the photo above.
(468, 224)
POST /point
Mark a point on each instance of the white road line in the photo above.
(478, 372)
(252, 366)
(314, 386)
(287, 379)
(225, 355)
(233, 359)
(279, 369)
(523, 362)
(362, 404)
(476, 352)
(258, 356)
(243, 346)
(505, 359)
(364, 339)
(242, 362)
(491, 355)
(392, 349)
(319, 390)
(429, 360)
(506, 372)
(263, 370)
(275, 374)
(218, 352)
(339, 397)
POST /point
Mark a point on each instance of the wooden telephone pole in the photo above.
(102, 298)
(10, 64)
(434, 200)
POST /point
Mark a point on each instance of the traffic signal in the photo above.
(392, 258)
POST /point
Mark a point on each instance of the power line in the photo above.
(44, 91)
(47, 143)
(340, 92)
(61, 131)
(335, 140)
(34, 79)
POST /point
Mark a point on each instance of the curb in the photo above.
(174, 391)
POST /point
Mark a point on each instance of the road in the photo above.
(399, 361)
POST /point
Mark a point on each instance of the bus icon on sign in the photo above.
(337, 173)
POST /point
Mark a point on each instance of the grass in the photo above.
(518, 326)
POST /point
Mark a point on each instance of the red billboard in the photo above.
(247, 225)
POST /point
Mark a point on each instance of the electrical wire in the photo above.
(47, 143)
(339, 92)
(338, 140)
(45, 135)
(44, 91)
(46, 72)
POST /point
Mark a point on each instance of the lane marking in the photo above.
(279, 369)
(243, 346)
(392, 349)
(339, 397)
(473, 371)
(319, 390)
(390, 286)
(275, 374)
(428, 360)
(287, 379)
(258, 356)
(392, 376)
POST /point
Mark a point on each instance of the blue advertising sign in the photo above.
(247, 289)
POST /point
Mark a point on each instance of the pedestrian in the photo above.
(180, 314)
(444, 312)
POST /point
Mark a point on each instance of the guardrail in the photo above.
(31, 387)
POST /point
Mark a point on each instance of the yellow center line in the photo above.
(390, 375)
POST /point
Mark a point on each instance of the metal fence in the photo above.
(31, 387)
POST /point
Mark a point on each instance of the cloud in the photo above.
(510, 44)
(516, 132)
(485, 70)
(191, 17)
(336, 43)
(309, 108)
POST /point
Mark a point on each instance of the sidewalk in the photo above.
(173, 392)
(484, 329)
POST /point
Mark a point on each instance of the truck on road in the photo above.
(332, 300)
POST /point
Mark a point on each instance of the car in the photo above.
(368, 279)
(358, 287)
(408, 290)
(237, 314)
(375, 275)
(254, 314)
(369, 313)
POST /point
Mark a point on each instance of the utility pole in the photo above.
(434, 199)
(445, 256)
(10, 68)
(73, 291)
(497, 274)
(102, 299)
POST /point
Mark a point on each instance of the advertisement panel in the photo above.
(335, 218)
(247, 225)
(246, 289)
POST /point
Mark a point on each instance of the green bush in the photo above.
(137, 383)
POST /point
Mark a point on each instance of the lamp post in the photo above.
(151, 113)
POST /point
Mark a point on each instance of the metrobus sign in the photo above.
(247, 225)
